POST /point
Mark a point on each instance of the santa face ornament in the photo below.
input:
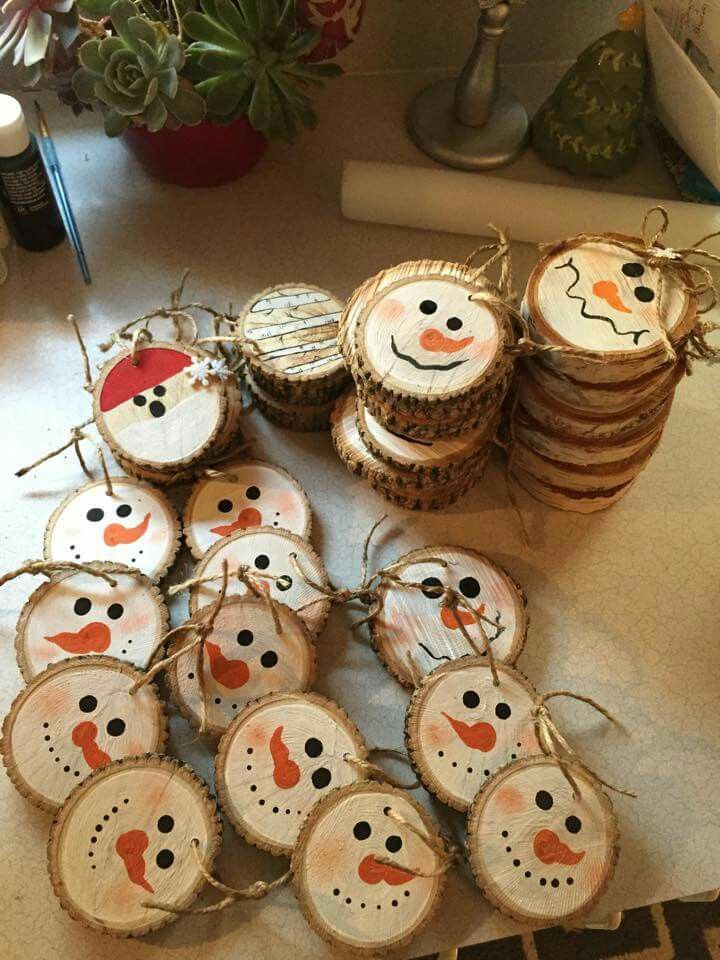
(75, 717)
(260, 495)
(539, 853)
(123, 841)
(413, 632)
(77, 614)
(136, 526)
(281, 756)
(348, 892)
(461, 728)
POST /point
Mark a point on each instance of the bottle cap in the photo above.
(14, 136)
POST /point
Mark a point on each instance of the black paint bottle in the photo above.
(24, 186)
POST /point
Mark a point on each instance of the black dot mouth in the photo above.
(552, 883)
(397, 896)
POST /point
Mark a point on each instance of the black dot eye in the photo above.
(82, 606)
(361, 830)
(469, 587)
(124, 510)
(157, 409)
(633, 269)
(269, 659)
(284, 582)
(253, 493)
(321, 778)
(502, 711)
(115, 611)
(225, 506)
(95, 515)
(573, 824)
(644, 294)
(165, 859)
(88, 704)
(427, 307)
(313, 747)
(432, 587)
(159, 390)
(543, 799)
(393, 843)
(139, 400)
(116, 727)
(245, 638)
(165, 823)
(453, 323)
(262, 562)
(470, 699)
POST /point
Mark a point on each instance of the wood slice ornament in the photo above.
(304, 417)
(563, 498)
(278, 758)
(270, 550)
(538, 852)
(460, 728)
(250, 493)
(413, 632)
(136, 526)
(75, 717)
(247, 655)
(76, 613)
(123, 841)
(364, 879)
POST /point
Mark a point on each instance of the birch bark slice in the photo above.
(573, 501)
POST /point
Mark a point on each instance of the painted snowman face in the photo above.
(136, 526)
(462, 729)
(77, 717)
(346, 888)
(155, 410)
(281, 756)
(267, 549)
(601, 296)
(83, 614)
(536, 851)
(414, 633)
(261, 495)
(427, 335)
(125, 840)
(245, 657)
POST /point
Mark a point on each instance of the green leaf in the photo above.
(109, 45)
(311, 72)
(187, 106)
(96, 8)
(151, 92)
(89, 56)
(260, 105)
(200, 27)
(231, 17)
(251, 13)
(268, 16)
(155, 115)
(115, 123)
(227, 93)
(302, 43)
(121, 12)
(147, 57)
(168, 82)
(124, 104)
(83, 83)
(141, 30)
(219, 61)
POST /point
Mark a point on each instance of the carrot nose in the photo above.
(84, 736)
(230, 673)
(453, 618)
(549, 848)
(286, 772)
(608, 291)
(374, 871)
(116, 533)
(93, 638)
(435, 341)
(478, 736)
(249, 517)
(130, 847)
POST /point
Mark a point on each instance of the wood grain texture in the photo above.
(573, 501)
(307, 418)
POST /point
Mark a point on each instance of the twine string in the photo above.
(376, 772)
(445, 853)
(48, 567)
(56, 452)
(499, 250)
(87, 375)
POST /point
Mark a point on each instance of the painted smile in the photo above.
(423, 366)
(530, 874)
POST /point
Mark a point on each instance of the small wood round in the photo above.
(412, 633)
(573, 501)
(304, 418)
(460, 729)
(245, 657)
(278, 758)
(75, 613)
(347, 894)
(75, 717)
(124, 839)
(272, 547)
(136, 526)
(259, 494)
(525, 827)
(152, 409)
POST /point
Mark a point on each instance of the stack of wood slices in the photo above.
(426, 343)
(587, 419)
(294, 369)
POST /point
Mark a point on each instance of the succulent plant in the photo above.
(28, 29)
(246, 59)
(135, 75)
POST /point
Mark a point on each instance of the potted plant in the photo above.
(195, 89)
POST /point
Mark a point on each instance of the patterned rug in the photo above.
(666, 931)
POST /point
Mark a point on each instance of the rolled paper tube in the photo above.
(435, 199)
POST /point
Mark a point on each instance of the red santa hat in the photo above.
(127, 379)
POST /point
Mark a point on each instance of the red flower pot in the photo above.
(201, 156)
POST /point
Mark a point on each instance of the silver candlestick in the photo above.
(472, 122)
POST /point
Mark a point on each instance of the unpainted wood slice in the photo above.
(306, 418)
(75, 717)
(136, 526)
(573, 501)
(348, 895)
(246, 656)
(608, 300)
(436, 498)
(123, 841)
(268, 549)
(155, 409)
(259, 494)
(460, 729)
(413, 633)
(75, 613)
(537, 852)
(278, 758)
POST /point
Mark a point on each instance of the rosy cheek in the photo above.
(134, 747)
(256, 735)
(528, 740)
(134, 624)
(326, 857)
(285, 502)
(593, 872)
(157, 536)
(438, 735)
(509, 800)
(53, 704)
(390, 310)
